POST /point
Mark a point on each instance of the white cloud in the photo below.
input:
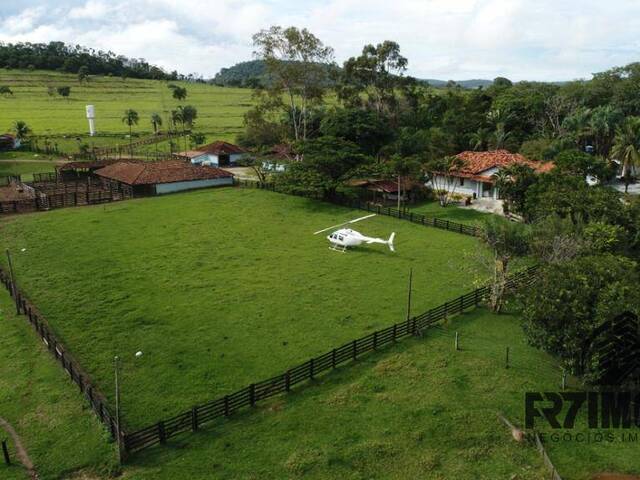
(544, 40)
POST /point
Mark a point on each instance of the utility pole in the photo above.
(409, 294)
(14, 290)
(116, 368)
(398, 193)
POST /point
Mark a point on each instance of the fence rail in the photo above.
(346, 201)
(76, 373)
(226, 406)
(50, 193)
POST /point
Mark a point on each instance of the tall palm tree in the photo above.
(500, 137)
(130, 118)
(626, 148)
(480, 139)
(21, 129)
(156, 121)
(188, 115)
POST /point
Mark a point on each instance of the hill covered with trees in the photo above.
(254, 72)
(61, 57)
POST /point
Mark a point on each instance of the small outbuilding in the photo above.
(169, 176)
(216, 154)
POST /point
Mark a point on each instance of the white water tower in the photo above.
(91, 116)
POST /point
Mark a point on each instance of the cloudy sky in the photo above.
(445, 39)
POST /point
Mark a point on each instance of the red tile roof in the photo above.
(169, 171)
(190, 154)
(478, 162)
(221, 148)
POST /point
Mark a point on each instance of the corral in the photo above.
(218, 288)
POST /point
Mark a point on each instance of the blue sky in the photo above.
(446, 39)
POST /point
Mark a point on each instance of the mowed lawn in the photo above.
(59, 432)
(25, 169)
(219, 288)
(220, 110)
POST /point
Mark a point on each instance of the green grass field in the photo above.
(220, 110)
(432, 209)
(26, 169)
(60, 434)
(219, 288)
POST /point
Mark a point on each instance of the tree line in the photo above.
(78, 59)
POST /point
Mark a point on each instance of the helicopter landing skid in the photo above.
(338, 248)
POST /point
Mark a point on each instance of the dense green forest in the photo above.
(76, 59)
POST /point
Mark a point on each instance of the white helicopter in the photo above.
(343, 238)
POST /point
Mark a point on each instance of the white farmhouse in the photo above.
(216, 154)
(475, 178)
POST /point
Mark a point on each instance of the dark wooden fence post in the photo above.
(375, 340)
(162, 435)
(5, 452)
(226, 405)
(395, 329)
(355, 349)
(252, 394)
(194, 418)
(311, 368)
(333, 358)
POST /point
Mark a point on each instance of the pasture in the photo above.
(220, 110)
(219, 288)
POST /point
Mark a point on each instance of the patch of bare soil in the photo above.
(13, 192)
(21, 452)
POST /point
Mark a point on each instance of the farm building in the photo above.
(157, 178)
(385, 191)
(475, 178)
(73, 170)
(9, 142)
(216, 154)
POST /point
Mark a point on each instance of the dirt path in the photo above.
(23, 456)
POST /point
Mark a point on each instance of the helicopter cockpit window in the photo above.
(340, 237)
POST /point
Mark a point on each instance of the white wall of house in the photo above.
(163, 188)
(466, 186)
(212, 160)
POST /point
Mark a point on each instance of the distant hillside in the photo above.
(58, 56)
(473, 83)
(247, 74)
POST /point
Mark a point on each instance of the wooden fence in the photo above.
(225, 406)
(346, 201)
(76, 373)
(553, 473)
(49, 195)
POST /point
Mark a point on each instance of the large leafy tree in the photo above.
(374, 76)
(327, 164)
(573, 298)
(441, 173)
(506, 241)
(362, 127)
(513, 182)
(296, 63)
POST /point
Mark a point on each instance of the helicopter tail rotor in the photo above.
(390, 242)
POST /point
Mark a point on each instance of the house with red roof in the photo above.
(476, 176)
(216, 154)
(169, 176)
